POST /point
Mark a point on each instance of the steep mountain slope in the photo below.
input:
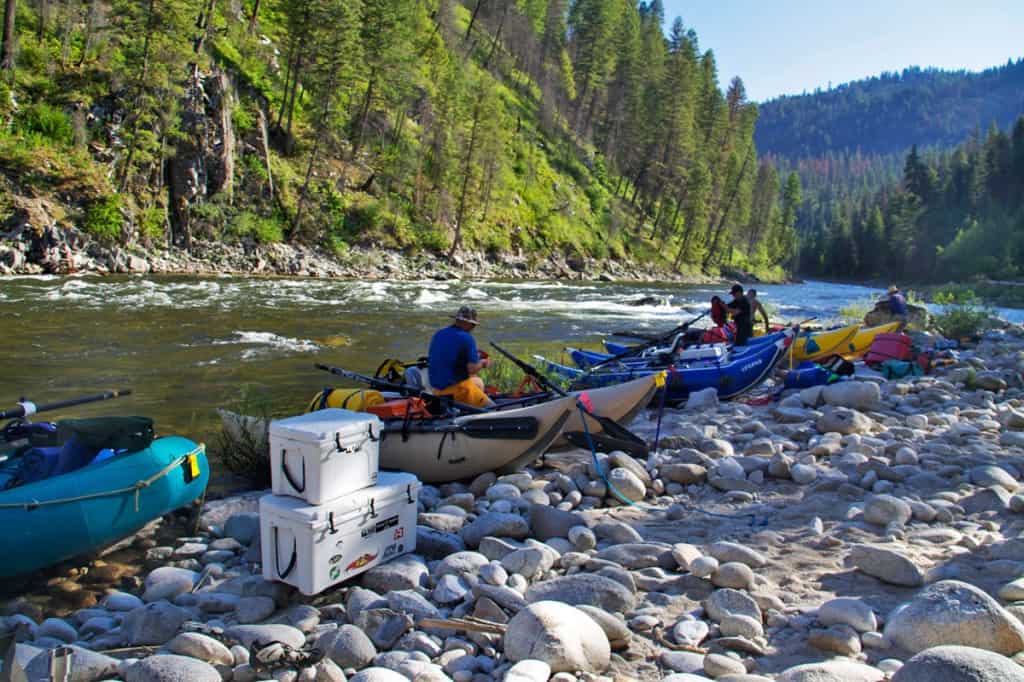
(890, 113)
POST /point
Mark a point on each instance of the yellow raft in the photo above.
(822, 344)
(861, 341)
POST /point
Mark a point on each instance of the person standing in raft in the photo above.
(898, 306)
(755, 308)
(454, 361)
(739, 308)
(718, 311)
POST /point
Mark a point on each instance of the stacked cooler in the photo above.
(332, 515)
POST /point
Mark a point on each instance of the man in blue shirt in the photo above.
(454, 362)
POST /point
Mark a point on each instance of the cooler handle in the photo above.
(369, 433)
(291, 562)
(288, 474)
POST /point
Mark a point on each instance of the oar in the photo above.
(405, 389)
(27, 408)
(610, 426)
(644, 346)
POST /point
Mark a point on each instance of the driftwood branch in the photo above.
(469, 624)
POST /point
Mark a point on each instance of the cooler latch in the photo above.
(330, 523)
(408, 494)
(373, 511)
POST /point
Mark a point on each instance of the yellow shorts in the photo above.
(467, 392)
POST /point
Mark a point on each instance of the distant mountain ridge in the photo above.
(890, 113)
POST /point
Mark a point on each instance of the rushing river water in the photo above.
(187, 345)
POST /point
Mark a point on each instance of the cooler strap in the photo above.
(291, 562)
(288, 475)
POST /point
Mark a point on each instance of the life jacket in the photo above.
(356, 399)
(719, 312)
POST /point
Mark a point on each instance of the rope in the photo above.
(643, 507)
(135, 488)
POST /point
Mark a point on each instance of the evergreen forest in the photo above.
(577, 127)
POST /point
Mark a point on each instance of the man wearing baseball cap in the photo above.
(454, 362)
(739, 308)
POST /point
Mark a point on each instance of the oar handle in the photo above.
(531, 370)
(644, 346)
(27, 408)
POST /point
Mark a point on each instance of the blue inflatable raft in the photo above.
(58, 518)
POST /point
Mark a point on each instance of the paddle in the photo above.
(644, 346)
(27, 408)
(610, 426)
(404, 389)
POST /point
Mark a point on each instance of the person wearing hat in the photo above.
(453, 361)
(739, 308)
(898, 306)
(757, 309)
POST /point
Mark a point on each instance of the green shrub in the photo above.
(46, 121)
(262, 229)
(962, 316)
(242, 119)
(152, 223)
(103, 218)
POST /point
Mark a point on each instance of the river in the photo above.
(186, 345)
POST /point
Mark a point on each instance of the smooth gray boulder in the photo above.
(951, 612)
(564, 637)
(584, 588)
(171, 668)
(959, 664)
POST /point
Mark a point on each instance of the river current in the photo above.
(187, 345)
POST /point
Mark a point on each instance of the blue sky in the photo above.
(788, 46)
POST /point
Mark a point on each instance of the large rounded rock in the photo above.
(548, 522)
(860, 395)
(959, 664)
(953, 612)
(171, 668)
(627, 484)
(885, 509)
(562, 636)
(987, 476)
(86, 665)
(348, 646)
(844, 421)
(247, 634)
(886, 565)
(378, 675)
(152, 624)
(832, 671)
(243, 527)
(848, 611)
(167, 582)
(584, 588)
(201, 646)
(495, 524)
(407, 572)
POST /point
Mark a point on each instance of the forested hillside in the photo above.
(952, 216)
(892, 112)
(500, 126)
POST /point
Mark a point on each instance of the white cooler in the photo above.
(314, 547)
(324, 454)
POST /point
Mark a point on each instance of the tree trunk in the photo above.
(709, 256)
(261, 121)
(472, 19)
(467, 174)
(204, 25)
(364, 112)
(497, 36)
(254, 19)
(10, 11)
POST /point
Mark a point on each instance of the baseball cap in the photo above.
(466, 314)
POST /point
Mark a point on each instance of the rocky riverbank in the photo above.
(863, 531)
(26, 249)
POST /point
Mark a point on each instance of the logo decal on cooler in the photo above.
(391, 550)
(335, 572)
(335, 559)
(389, 522)
(361, 561)
(399, 533)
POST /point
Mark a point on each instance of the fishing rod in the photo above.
(27, 408)
(405, 389)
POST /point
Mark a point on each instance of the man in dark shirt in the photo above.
(453, 361)
(898, 306)
(739, 308)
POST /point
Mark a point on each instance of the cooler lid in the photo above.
(391, 486)
(324, 424)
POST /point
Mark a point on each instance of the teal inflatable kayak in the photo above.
(58, 518)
